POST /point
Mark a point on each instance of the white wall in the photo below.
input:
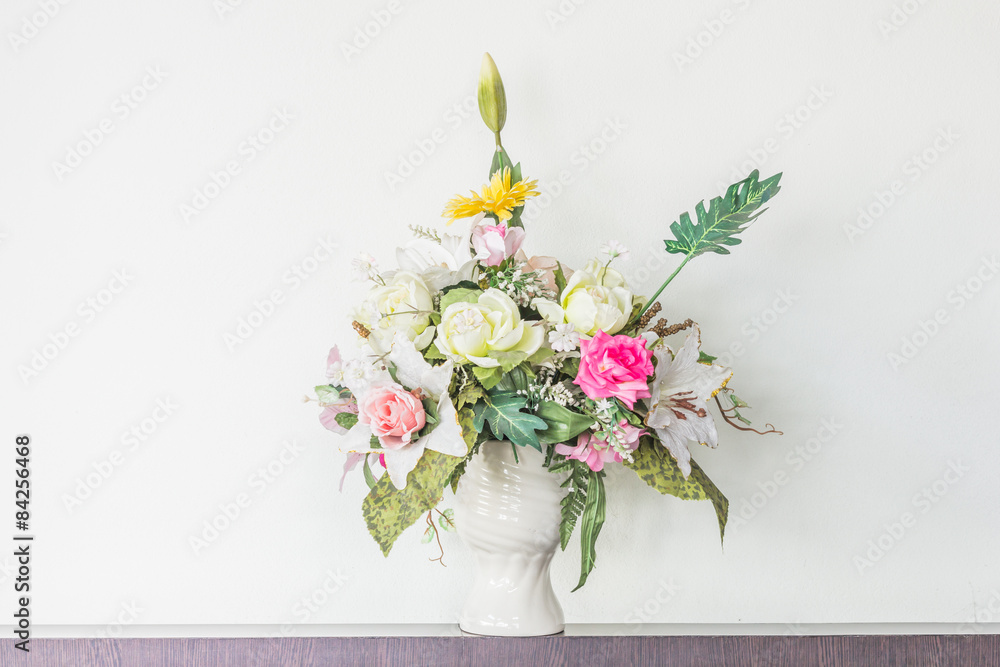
(870, 102)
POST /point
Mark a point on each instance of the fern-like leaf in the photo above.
(575, 500)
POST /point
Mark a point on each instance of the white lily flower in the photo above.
(440, 264)
(677, 410)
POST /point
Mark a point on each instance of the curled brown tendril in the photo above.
(727, 416)
(431, 526)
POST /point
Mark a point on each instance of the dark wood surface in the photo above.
(880, 651)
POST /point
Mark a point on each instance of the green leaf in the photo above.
(466, 284)
(576, 498)
(369, 477)
(389, 511)
(590, 525)
(326, 394)
(432, 353)
(571, 367)
(447, 520)
(460, 295)
(541, 355)
(515, 380)
(428, 534)
(737, 401)
(488, 377)
(501, 160)
(469, 434)
(502, 412)
(508, 360)
(346, 420)
(655, 466)
(724, 218)
(468, 395)
(560, 278)
(563, 424)
(430, 414)
(705, 358)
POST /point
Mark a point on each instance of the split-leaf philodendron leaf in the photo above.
(724, 218)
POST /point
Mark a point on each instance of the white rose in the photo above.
(402, 305)
(472, 330)
(595, 299)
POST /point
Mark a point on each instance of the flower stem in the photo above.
(653, 298)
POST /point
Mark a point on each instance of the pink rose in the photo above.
(328, 417)
(614, 367)
(393, 414)
(596, 452)
(495, 243)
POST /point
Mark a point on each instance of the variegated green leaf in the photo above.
(389, 511)
(655, 466)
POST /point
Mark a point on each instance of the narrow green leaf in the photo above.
(369, 477)
(469, 434)
(560, 278)
(705, 358)
(591, 523)
(500, 160)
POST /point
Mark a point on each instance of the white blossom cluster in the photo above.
(520, 285)
(608, 428)
(545, 388)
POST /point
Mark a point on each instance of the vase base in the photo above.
(486, 631)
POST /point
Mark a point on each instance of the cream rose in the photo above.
(402, 305)
(493, 324)
(595, 299)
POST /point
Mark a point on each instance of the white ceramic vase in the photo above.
(507, 513)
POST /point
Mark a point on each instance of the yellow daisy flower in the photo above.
(499, 197)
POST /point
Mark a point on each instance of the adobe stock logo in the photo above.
(924, 500)
(123, 107)
(926, 329)
(914, 168)
(33, 24)
(88, 310)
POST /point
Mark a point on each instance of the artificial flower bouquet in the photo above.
(471, 339)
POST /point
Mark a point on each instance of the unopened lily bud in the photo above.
(492, 100)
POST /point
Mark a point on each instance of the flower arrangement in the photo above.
(471, 339)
